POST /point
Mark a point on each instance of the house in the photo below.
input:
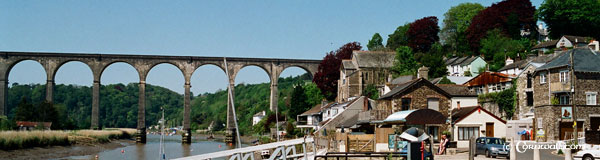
(464, 66)
(489, 82)
(460, 95)
(418, 94)
(475, 121)
(513, 68)
(524, 88)
(566, 41)
(311, 118)
(571, 79)
(28, 126)
(257, 117)
(365, 68)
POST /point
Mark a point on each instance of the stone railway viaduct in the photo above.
(51, 62)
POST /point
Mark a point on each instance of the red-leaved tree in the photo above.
(510, 16)
(329, 69)
(423, 33)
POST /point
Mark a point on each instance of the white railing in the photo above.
(282, 150)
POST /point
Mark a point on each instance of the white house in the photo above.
(257, 117)
(457, 66)
(475, 121)
(311, 118)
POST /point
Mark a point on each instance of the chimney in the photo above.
(458, 104)
(423, 72)
(323, 103)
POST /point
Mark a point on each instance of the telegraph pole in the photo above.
(574, 110)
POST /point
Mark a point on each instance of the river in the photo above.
(173, 149)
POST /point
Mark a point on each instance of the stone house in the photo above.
(489, 82)
(524, 91)
(365, 68)
(418, 94)
(458, 66)
(555, 93)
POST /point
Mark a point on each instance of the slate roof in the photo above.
(405, 86)
(347, 64)
(463, 61)
(315, 110)
(374, 59)
(457, 90)
(403, 79)
(460, 114)
(579, 39)
(523, 63)
(585, 60)
(547, 44)
(349, 123)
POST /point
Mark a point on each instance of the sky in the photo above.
(295, 29)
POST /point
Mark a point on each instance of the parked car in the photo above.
(589, 152)
(491, 147)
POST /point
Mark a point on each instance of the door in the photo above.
(489, 129)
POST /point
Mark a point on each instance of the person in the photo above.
(443, 144)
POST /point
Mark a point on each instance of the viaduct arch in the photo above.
(51, 62)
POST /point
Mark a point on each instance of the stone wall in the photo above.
(586, 82)
(493, 108)
(419, 94)
(551, 118)
(522, 107)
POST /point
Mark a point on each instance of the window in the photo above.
(528, 80)
(542, 78)
(464, 133)
(529, 98)
(433, 103)
(564, 99)
(366, 76)
(590, 98)
(434, 131)
(564, 76)
(405, 104)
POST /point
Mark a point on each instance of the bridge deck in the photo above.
(248, 149)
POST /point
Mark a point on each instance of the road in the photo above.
(528, 155)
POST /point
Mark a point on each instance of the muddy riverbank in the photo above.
(57, 152)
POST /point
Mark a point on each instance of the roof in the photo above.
(547, 44)
(374, 59)
(460, 114)
(416, 117)
(577, 39)
(349, 123)
(585, 60)
(314, 110)
(403, 79)
(488, 78)
(536, 65)
(261, 113)
(523, 63)
(463, 61)
(457, 90)
(33, 124)
(453, 79)
(400, 89)
(347, 64)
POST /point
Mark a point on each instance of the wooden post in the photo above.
(472, 148)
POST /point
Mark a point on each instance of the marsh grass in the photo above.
(10, 140)
(26, 139)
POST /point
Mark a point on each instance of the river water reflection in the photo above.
(150, 150)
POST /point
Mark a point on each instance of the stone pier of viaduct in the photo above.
(51, 62)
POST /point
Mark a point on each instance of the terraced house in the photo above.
(571, 79)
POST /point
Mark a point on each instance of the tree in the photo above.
(445, 80)
(25, 111)
(329, 69)
(571, 17)
(433, 61)
(496, 47)
(404, 63)
(376, 43)
(510, 16)
(313, 94)
(371, 91)
(423, 33)
(398, 38)
(456, 21)
(298, 101)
